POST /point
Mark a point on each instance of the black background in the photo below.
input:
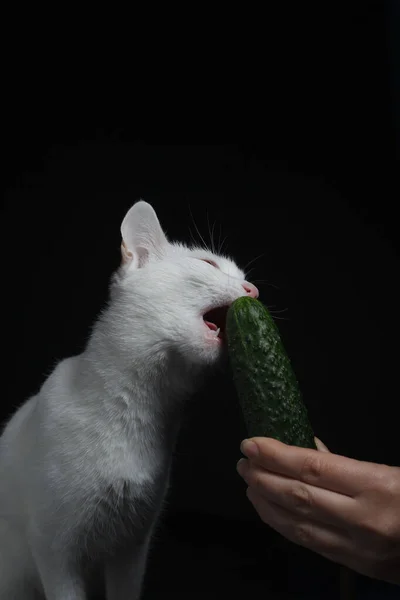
(297, 163)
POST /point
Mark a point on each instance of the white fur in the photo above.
(84, 464)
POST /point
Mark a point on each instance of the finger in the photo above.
(299, 498)
(322, 469)
(324, 539)
(320, 445)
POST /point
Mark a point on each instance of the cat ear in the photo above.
(142, 235)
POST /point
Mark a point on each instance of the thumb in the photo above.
(320, 445)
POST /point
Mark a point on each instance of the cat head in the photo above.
(173, 298)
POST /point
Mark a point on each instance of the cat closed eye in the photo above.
(210, 262)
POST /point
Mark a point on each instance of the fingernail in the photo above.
(320, 445)
(241, 466)
(249, 448)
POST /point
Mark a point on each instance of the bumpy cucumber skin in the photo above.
(267, 387)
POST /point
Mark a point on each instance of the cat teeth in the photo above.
(216, 332)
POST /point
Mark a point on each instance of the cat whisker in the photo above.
(274, 312)
(212, 236)
(279, 318)
(222, 245)
(192, 236)
(263, 282)
(197, 230)
(210, 233)
(253, 260)
(219, 238)
(259, 280)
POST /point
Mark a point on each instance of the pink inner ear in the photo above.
(126, 255)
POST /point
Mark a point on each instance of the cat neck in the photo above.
(144, 377)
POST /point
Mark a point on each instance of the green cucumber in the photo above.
(266, 384)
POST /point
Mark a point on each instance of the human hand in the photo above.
(346, 510)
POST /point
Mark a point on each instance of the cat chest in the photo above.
(122, 515)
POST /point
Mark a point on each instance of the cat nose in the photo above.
(250, 289)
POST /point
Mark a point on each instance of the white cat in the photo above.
(84, 464)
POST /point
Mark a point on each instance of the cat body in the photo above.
(85, 463)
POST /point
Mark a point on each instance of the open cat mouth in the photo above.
(215, 320)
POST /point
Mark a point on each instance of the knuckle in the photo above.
(312, 467)
(369, 525)
(390, 483)
(382, 527)
(389, 529)
(301, 499)
(385, 482)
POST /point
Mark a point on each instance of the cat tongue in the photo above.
(211, 325)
